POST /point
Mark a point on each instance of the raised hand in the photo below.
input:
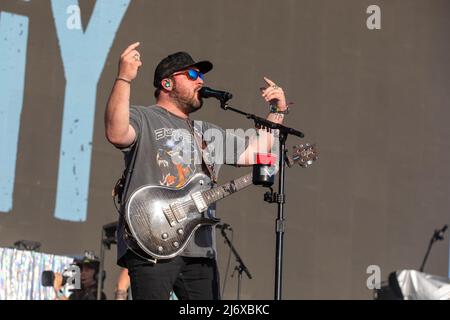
(130, 61)
(274, 94)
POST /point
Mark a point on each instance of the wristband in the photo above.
(127, 81)
(275, 109)
(120, 295)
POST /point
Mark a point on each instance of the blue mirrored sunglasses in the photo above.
(191, 73)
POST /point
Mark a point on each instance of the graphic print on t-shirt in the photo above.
(175, 156)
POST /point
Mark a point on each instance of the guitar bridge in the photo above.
(199, 201)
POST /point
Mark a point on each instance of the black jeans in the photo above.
(189, 278)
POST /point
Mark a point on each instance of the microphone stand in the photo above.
(102, 266)
(279, 197)
(239, 268)
(437, 235)
(108, 238)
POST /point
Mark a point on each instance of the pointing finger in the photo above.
(269, 82)
(130, 48)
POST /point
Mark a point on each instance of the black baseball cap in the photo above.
(87, 260)
(176, 62)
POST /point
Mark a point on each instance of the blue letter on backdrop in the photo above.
(13, 49)
(83, 55)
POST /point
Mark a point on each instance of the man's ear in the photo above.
(167, 84)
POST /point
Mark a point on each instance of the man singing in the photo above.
(148, 138)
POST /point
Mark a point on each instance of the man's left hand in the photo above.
(274, 94)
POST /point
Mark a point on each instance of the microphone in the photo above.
(223, 96)
(439, 234)
(224, 226)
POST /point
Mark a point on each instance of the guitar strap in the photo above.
(126, 178)
(123, 183)
(201, 144)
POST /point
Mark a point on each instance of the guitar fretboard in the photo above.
(220, 192)
(305, 154)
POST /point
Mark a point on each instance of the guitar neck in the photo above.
(304, 155)
(220, 192)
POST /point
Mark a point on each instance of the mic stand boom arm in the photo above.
(280, 196)
(261, 122)
(437, 235)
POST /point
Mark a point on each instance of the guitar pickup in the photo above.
(169, 216)
(178, 212)
(199, 201)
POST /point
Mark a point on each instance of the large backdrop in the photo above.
(369, 80)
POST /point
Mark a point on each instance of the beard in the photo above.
(186, 100)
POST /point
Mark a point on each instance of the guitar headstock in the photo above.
(304, 155)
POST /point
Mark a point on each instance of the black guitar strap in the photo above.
(201, 144)
(123, 183)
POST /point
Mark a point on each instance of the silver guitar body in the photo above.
(163, 219)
